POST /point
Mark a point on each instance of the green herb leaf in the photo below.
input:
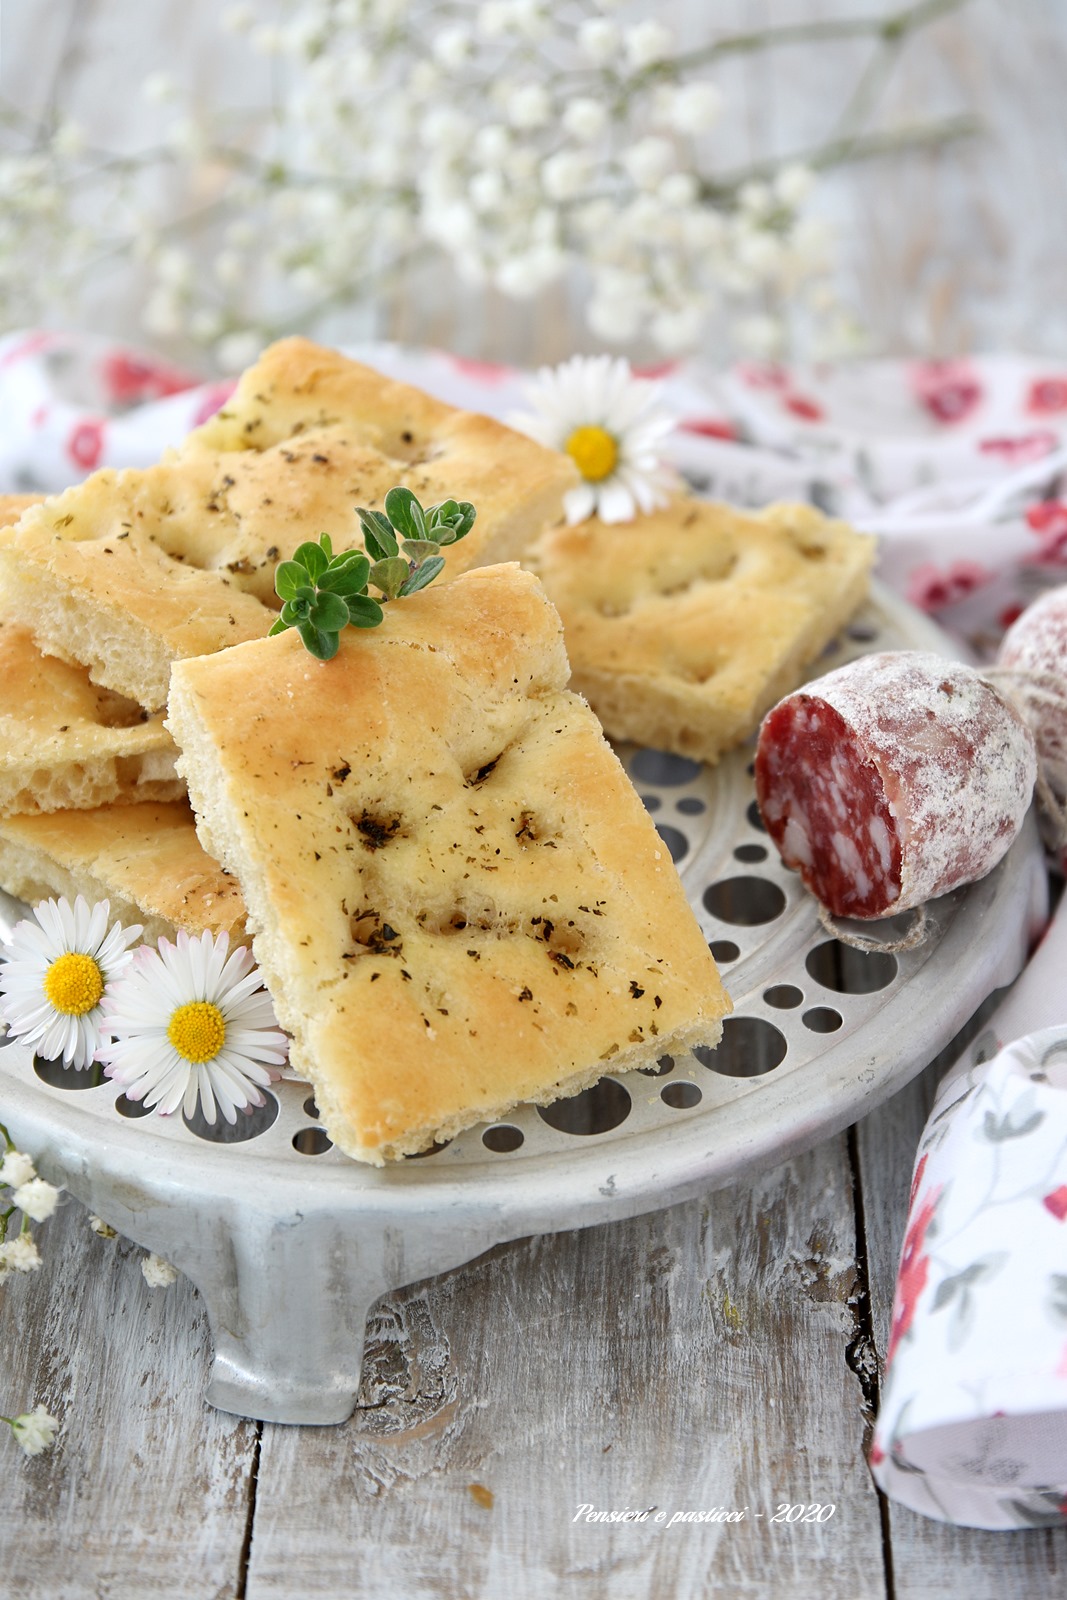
(322, 593)
(328, 612)
(346, 576)
(389, 576)
(422, 575)
(288, 579)
(419, 550)
(405, 513)
(313, 557)
(378, 534)
(322, 645)
(278, 627)
(363, 612)
(451, 521)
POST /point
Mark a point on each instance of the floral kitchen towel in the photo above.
(959, 466)
(973, 1422)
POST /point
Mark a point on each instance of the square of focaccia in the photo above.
(146, 860)
(455, 895)
(686, 624)
(64, 742)
(133, 570)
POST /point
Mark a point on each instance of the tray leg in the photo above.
(288, 1304)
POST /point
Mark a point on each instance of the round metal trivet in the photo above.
(290, 1242)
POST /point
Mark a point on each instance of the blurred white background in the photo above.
(941, 251)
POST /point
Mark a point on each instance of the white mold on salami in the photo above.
(1034, 652)
(893, 780)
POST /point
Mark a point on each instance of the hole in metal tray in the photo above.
(839, 967)
(249, 1125)
(597, 1110)
(746, 902)
(749, 1047)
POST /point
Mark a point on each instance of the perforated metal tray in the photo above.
(290, 1243)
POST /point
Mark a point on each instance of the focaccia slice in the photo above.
(457, 899)
(145, 859)
(133, 570)
(686, 624)
(63, 742)
(67, 744)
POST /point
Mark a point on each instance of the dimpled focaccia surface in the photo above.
(133, 570)
(146, 860)
(684, 625)
(457, 899)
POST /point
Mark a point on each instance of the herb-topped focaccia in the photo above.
(457, 899)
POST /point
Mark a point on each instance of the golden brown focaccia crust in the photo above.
(133, 570)
(684, 625)
(458, 901)
(145, 859)
(63, 742)
(67, 744)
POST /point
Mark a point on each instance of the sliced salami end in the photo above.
(893, 780)
(824, 804)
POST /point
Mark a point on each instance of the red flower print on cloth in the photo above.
(932, 588)
(1046, 395)
(1056, 1202)
(914, 1265)
(709, 427)
(949, 390)
(85, 443)
(1024, 447)
(1048, 520)
(130, 379)
(656, 369)
(763, 374)
(481, 371)
(802, 406)
(213, 399)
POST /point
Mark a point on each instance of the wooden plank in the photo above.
(685, 1361)
(932, 1561)
(146, 1490)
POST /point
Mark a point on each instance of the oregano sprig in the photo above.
(322, 593)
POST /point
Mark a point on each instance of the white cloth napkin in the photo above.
(961, 468)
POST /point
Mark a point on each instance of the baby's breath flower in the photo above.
(530, 106)
(585, 119)
(36, 1199)
(19, 1254)
(34, 1430)
(158, 1274)
(104, 1229)
(693, 107)
(17, 1169)
(600, 40)
(647, 42)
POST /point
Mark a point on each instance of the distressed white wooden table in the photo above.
(725, 1352)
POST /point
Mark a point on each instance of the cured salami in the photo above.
(893, 780)
(1033, 656)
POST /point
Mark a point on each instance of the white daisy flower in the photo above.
(59, 964)
(192, 1021)
(609, 423)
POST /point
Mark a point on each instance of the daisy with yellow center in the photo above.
(192, 1021)
(58, 966)
(609, 423)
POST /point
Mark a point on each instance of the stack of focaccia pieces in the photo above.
(456, 897)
